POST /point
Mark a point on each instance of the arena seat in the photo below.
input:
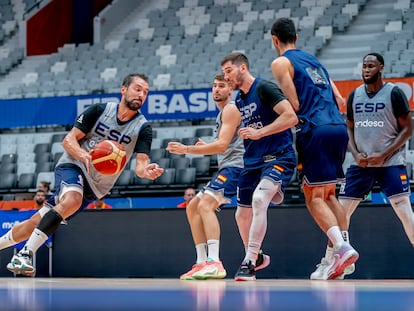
(167, 178)
(27, 181)
(185, 176)
(202, 165)
(8, 182)
(9, 167)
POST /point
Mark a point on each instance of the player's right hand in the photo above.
(86, 159)
(176, 147)
(361, 160)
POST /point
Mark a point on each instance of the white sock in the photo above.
(328, 252)
(36, 240)
(201, 250)
(7, 240)
(213, 249)
(334, 234)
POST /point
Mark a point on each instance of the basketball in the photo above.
(108, 157)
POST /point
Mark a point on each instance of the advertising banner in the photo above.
(160, 105)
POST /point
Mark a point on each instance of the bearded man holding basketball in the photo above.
(77, 181)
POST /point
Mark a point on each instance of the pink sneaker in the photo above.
(211, 270)
(344, 257)
(262, 261)
(189, 275)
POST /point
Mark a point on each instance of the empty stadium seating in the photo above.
(174, 35)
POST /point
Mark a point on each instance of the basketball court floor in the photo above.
(170, 294)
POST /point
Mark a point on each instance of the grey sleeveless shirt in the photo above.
(375, 125)
(127, 135)
(233, 156)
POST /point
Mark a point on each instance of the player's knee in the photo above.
(264, 193)
(400, 200)
(402, 206)
(258, 201)
(315, 202)
(207, 206)
(69, 204)
(192, 206)
(242, 214)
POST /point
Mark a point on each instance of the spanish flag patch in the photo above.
(222, 178)
(279, 168)
(403, 177)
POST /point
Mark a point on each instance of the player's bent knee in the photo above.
(243, 213)
(264, 193)
(69, 204)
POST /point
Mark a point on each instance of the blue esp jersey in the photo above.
(256, 108)
(317, 104)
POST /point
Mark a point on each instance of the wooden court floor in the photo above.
(57, 294)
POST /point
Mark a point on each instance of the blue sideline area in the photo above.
(160, 202)
(171, 202)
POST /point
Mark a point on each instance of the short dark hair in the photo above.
(236, 58)
(378, 56)
(45, 184)
(219, 76)
(284, 29)
(130, 77)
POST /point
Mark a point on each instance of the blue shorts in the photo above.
(321, 153)
(280, 171)
(225, 181)
(359, 181)
(69, 175)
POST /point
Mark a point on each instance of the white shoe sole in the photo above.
(23, 270)
(245, 278)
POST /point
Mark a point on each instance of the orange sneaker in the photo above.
(211, 270)
(189, 275)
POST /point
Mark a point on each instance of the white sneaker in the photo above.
(322, 269)
(21, 263)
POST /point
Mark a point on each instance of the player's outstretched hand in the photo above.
(153, 171)
(176, 147)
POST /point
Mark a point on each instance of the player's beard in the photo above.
(374, 78)
(39, 201)
(235, 85)
(133, 105)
